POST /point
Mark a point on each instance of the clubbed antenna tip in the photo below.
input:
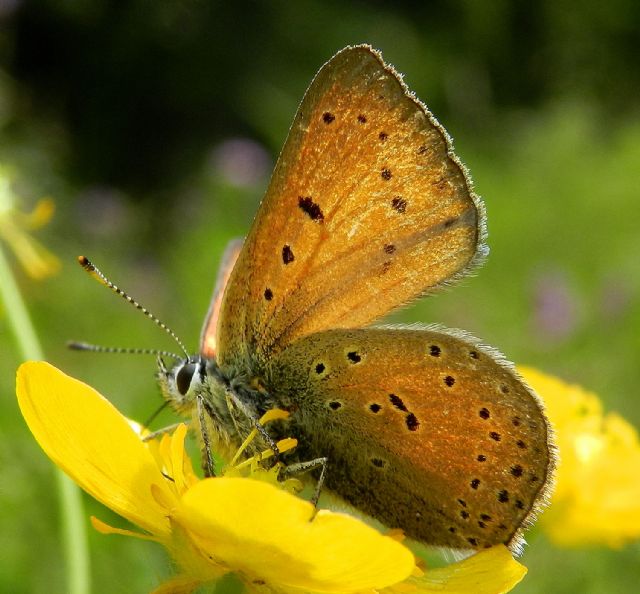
(90, 268)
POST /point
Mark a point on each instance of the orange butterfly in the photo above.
(423, 428)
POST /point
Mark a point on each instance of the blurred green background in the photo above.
(154, 126)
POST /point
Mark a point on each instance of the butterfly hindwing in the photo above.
(423, 428)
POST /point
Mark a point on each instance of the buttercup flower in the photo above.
(37, 261)
(597, 496)
(274, 541)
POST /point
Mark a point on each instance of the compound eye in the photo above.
(184, 376)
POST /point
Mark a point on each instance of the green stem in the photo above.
(70, 501)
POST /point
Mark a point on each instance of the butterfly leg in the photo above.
(255, 421)
(302, 467)
(160, 432)
(207, 458)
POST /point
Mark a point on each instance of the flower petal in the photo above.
(93, 443)
(39, 216)
(178, 585)
(597, 496)
(491, 571)
(104, 528)
(36, 259)
(268, 534)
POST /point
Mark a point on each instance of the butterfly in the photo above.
(423, 428)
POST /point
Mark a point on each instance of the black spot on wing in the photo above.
(287, 254)
(312, 209)
(399, 204)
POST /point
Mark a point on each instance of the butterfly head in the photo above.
(181, 383)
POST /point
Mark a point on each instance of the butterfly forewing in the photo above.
(424, 429)
(367, 208)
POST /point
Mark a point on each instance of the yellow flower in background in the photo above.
(597, 495)
(273, 540)
(37, 261)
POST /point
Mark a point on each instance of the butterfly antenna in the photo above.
(89, 267)
(75, 345)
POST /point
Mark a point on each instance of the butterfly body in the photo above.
(423, 428)
(199, 382)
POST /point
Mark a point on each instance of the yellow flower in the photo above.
(14, 224)
(597, 496)
(273, 540)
